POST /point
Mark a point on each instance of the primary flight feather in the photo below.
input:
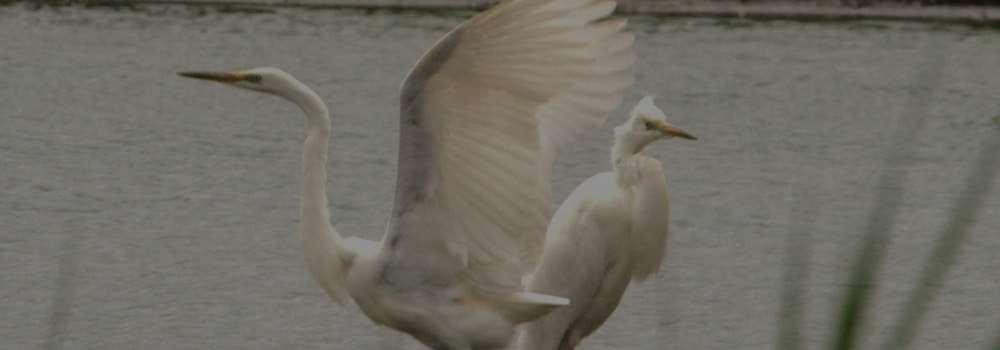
(481, 116)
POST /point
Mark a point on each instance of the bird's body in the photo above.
(434, 315)
(481, 116)
(611, 230)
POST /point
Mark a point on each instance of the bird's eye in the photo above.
(254, 78)
(650, 125)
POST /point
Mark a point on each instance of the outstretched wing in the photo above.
(481, 114)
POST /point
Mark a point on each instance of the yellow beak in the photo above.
(671, 130)
(222, 77)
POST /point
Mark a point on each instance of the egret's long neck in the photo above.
(325, 254)
(314, 216)
(622, 151)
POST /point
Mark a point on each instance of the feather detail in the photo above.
(482, 116)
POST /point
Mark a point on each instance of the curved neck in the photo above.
(314, 214)
(622, 153)
(317, 116)
(326, 256)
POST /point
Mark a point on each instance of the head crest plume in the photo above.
(647, 106)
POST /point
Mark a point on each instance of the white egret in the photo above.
(611, 230)
(481, 116)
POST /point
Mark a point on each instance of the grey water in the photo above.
(139, 210)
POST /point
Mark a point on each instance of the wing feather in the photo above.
(481, 115)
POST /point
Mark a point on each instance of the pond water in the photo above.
(141, 210)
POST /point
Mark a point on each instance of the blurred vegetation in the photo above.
(966, 209)
(883, 217)
(861, 282)
(797, 255)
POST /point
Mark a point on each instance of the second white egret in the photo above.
(611, 230)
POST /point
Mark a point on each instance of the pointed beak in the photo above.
(674, 131)
(222, 77)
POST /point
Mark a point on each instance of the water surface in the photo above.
(141, 210)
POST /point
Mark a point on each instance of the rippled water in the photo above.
(140, 210)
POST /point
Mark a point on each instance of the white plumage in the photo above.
(481, 116)
(611, 230)
(471, 132)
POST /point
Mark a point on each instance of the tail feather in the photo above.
(525, 306)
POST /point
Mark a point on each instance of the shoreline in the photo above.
(772, 10)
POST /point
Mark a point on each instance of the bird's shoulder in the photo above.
(596, 190)
(596, 200)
